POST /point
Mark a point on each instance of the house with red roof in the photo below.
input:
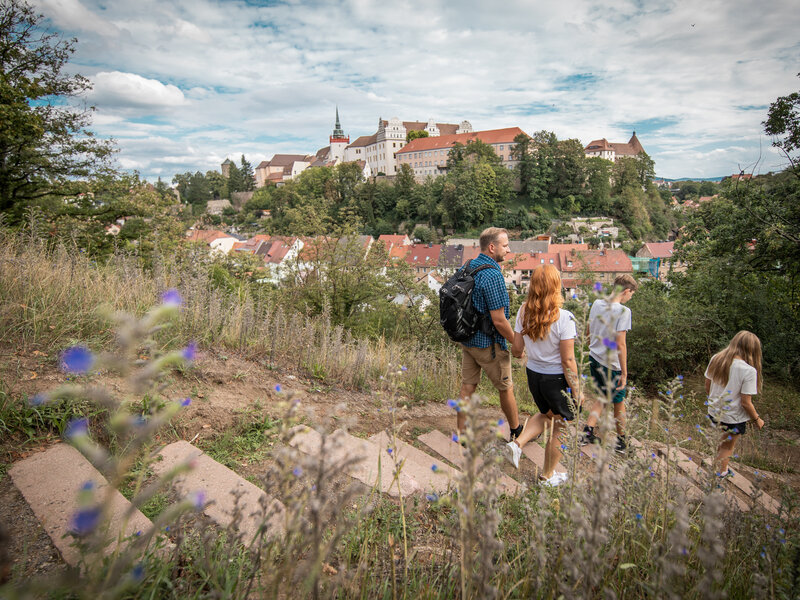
(392, 240)
(424, 258)
(613, 151)
(663, 253)
(428, 156)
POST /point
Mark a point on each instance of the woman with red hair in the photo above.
(547, 333)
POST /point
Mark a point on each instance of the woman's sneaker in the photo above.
(588, 437)
(513, 454)
(556, 480)
(621, 445)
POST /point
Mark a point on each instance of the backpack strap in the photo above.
(487, 327)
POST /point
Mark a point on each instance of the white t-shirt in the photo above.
(544, 356)
(725, 402)
(605, 321)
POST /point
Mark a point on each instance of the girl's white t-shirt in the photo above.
(544, 356)
(725, 402)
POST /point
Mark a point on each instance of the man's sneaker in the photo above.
(556, 480)
(621, 445)
(588, 437)
(513, 454)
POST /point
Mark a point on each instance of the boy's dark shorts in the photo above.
(550, 393)
(737, 428)
(601, 374)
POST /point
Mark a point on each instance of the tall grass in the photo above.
(52, 295)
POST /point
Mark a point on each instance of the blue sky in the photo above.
(183, 84)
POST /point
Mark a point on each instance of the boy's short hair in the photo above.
(626, 282)
(490, 235)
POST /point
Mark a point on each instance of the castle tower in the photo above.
(339, 141)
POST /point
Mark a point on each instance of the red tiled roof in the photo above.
(567, 247)
(205, 235)
(393, 240)
(598, 145)
(597, 261)
(492, 136)
(660, 249)
(398, 252)
(422, 254)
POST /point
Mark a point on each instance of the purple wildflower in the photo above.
(198, 499)
(610, 344)
(297, 471)
(190, 352)
(278, 388)
(431, 497)
(137, 573)
(452, 403)
(404, 368)
(389, 451)
(85, 521)
(76, 428)
(172, 297)
(434, 468)
(680, 377)
(598, 287)
(77, 360)
(186, 401)
(87, 486)
(500, 422)
(455, 437)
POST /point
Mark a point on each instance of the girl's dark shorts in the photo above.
(550, 393)
(737, 428)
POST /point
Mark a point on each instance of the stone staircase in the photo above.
(51, 480)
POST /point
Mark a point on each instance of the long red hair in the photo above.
(543, 304)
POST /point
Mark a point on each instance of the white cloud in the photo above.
(128, 89)
(265, 79)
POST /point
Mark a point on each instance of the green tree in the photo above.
(217, 185)
(783, 119)
(45, 147)
(248, 177)
(413, 134)
(598, 179)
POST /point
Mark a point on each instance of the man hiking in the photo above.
(488, 352)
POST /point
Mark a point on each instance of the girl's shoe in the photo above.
(513, 453)
(556, 480)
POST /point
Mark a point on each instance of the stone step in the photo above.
(745, 485)
(50, 481)
(219, 485)
(418, 464)
(453, 452)
(369, 463)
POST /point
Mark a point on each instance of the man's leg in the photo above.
(509, 405)
(465, 394)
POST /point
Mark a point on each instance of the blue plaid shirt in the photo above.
(490, 293)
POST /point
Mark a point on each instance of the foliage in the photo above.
(413, 134)
(783, 119)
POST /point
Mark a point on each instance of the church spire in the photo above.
(338, 132)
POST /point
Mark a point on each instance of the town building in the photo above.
(613, 151)
(428, 156)
(379, 149)
(661, 258)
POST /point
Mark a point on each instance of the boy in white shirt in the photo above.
(608, 326)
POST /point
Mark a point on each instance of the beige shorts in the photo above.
(498, 369)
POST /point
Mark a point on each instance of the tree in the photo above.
(248, 177)
(45, 147)
(413, 134)
(783, 118)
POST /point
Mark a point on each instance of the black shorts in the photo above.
(737, 428)
(550, 393)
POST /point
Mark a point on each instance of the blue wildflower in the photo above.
(680, 377)
(138, 533)
(297, 471)
(455, 437)
(403, 368)
(638, 516)
(198, 499)
(610, 344)
(38, 399)
(452, 403)
(137, 573)
(87, 486)
(172, 297)
(598, 287)
(77, 360)
(76, 428)
(190, 352)
(500, 422)
(85, 521)
(434, 468)
(431, 497)
(186, 401)
(574, 296)
(389, 450)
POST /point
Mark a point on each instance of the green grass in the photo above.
(249, 440)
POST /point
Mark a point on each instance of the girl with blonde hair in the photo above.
(733, 377)
(547, 333)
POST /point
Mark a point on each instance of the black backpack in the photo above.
(457, 314)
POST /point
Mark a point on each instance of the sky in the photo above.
(181, 85)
